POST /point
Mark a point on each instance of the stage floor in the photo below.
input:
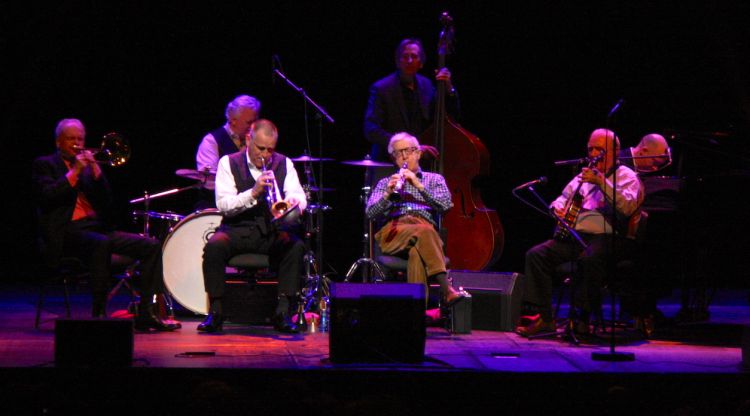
(691, 369)
(712, 346)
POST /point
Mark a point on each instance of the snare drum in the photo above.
(182, 257)
(157, 224)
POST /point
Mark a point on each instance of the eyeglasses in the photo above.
(404, 152)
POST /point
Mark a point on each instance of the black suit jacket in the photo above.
(386, 112)
(56, 200)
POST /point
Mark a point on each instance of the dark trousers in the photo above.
(592, 269)
(90, 241)
(285, 251)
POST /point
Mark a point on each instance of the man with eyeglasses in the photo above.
(404, 100)
(406, 203)
(243, 179)
(598, 197)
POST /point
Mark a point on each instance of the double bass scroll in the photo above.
(475, 236)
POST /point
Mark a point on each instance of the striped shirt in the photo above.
(435, 198)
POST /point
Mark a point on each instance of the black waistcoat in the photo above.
(225, 143)
(260, 214)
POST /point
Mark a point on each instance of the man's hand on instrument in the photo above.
(592, 176)
(410, 177)
(83, 159)
(443, 74)
(391, 187)
(264, 182)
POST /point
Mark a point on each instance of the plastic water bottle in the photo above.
(324, 314)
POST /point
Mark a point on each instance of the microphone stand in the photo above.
(612, 355)
(321, 115)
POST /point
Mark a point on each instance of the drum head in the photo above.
(182, 256)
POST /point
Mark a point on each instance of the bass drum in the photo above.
(182, 257)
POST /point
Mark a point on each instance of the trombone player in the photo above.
(243, 182)
(74, 201)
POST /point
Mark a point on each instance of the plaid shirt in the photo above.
(435, 198)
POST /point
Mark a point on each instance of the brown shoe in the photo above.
(535, 327)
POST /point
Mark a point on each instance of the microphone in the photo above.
(581, 161)
(571, 162)
(616, 107)
(542, 180)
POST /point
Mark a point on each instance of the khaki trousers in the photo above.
(418, 237)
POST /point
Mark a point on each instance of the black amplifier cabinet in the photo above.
(496, 297)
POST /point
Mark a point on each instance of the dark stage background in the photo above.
(534, 78)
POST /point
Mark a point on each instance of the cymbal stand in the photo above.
(366, 259)
(146, 199)
(316, 284)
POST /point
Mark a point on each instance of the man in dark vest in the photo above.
(241, 112)
(243, 181)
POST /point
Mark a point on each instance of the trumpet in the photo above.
(114, 150)
(279, 206)
(396, 195)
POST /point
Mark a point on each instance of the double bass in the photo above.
(473, 233)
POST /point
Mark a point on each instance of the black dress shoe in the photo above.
(213, 323)
(283, 323)
(149, 322)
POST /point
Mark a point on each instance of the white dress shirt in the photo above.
(231, 203)
(591, 219)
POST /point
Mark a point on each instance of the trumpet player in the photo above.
(243, 180)
(409, 225)
(73, 203)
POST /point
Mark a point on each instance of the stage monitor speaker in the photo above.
(94, 343)
(496, 298)
(377, 323)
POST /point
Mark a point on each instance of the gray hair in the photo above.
(66, 122)
(402, 136)
(242, 101)
(266, 126)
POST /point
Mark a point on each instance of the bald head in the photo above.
(652, 144)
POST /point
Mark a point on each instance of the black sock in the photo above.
(215, 306)
(442, 279)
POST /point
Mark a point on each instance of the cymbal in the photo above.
(367, 163)
(306, 158)
(198, 175)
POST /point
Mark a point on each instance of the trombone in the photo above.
(114, 150)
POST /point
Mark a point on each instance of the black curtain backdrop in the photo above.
(534, 79)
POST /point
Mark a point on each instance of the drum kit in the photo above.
(184, 236)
